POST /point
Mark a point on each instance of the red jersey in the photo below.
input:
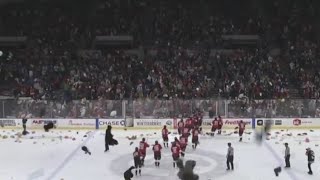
(137, 154)
(200, 121)
(175, 151)
(220, 121)
(177, 143)
(195, 133)
(185, 131)
(143, 147)
(157, 149)
(196, 121)
(180, 124)
(189, 122)
(242, 126)
(215, 123)
(165, 133)
(183, 141)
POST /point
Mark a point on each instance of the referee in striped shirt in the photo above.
(287, 155)
(230, 156)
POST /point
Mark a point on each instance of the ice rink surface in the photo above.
(56, 156)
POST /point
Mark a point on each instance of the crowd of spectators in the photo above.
(60, 64)
(175, 22)
(167, 73)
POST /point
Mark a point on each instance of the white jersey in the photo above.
(230, 151)
(287, 151)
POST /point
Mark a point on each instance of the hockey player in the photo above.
(200, 122)
(128, 174)
(189, 124)
(176, 140)
(230, 156)
(180, 127)
(165, 137)
(195, 137)
(137, 158)
(220, 124)
(242, 126)
(143, 149)
(195, 120)
(157, 153)
(186, 131)
(175, 153)
(311, 157)
(215, 126)
(183, 144)
(287, 155)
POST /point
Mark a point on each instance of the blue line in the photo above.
(275, 155)
(70, 156)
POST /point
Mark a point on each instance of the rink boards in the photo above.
(228, 123)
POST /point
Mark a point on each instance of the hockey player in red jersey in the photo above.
(137, 160)
(175, 153)
(143, 149)
(200, 122)
(185, 132)
(180, 126)
(176, 140)
(195, 137)
(220, 124)
(195, 120)
(157, 153)
(165, 137)
(189, 124)
(214, 126)
(242, 126)
(183, 144)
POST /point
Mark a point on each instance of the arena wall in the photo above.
(229, 123)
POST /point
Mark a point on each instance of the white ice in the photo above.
(49, 156)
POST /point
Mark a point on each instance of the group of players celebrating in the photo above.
(190, 127)
(217, 124)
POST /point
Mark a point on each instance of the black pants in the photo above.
(309, 166)
(230, 161)
(287, 159)
(106, 146)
